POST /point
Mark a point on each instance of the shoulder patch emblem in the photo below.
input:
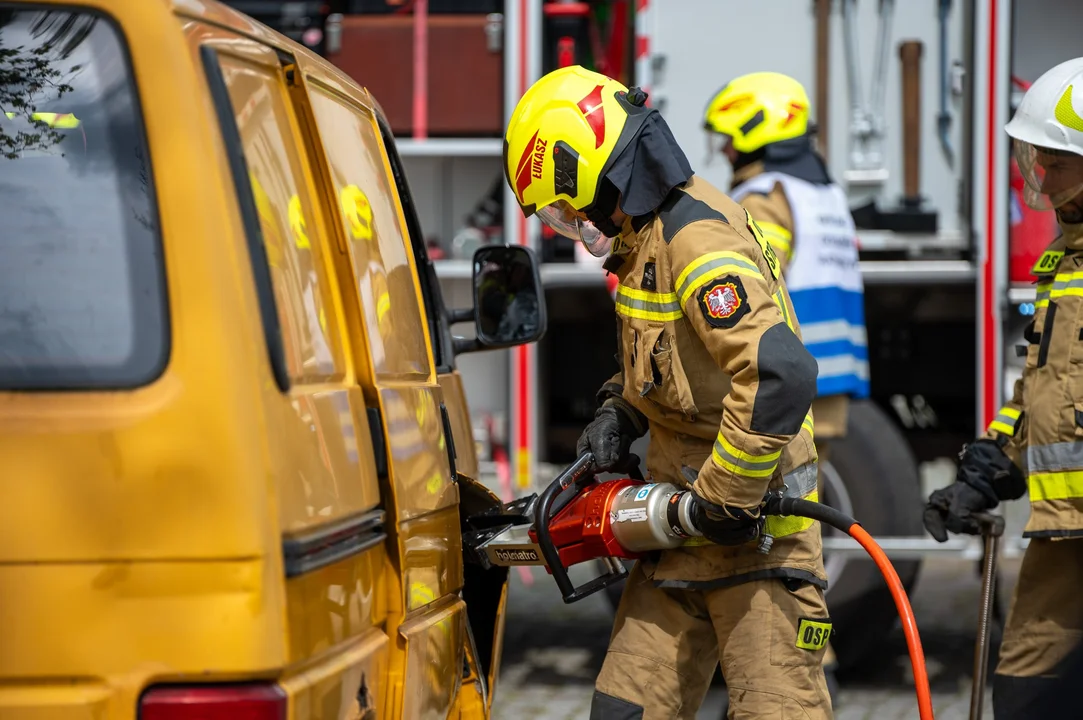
(1047, 263)
(765, 247)
(723, 301)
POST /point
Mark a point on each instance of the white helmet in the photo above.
(1047, 130)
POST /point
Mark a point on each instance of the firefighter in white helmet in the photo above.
(1035, 442)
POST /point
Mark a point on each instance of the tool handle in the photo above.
(910, 53)
(992, 528)
(991, 523)
(574, 474)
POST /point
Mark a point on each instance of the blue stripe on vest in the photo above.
(838, 347)
(837, 342)
(843, 385)
(824, 304)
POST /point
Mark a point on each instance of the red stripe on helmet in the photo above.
(591, 107)
(792, 112)
(522, 170)
(742, 100)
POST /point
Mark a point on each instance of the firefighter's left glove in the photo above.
(952, 509)
(984, 466)
(722, 524)
(609, 436)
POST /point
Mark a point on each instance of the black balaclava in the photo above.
(795, 157)
(644, 173)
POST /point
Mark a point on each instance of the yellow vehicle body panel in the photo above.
(165, 534)
(466, 460)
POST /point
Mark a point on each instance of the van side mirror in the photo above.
(509, 303)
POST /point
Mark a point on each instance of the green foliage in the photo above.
(34, 77)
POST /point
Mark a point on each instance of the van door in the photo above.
(485, 591)
(318, 443)
(377, 263)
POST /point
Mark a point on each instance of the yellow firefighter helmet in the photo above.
(562, 138)
(759, 109)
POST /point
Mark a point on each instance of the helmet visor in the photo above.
(716, 144)
(1052, 177)
(562, 218)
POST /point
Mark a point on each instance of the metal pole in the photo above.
(823, 54)
(992, 529)
(421, 70)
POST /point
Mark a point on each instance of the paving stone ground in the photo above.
(553, 651)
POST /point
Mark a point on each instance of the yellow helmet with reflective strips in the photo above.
(563, 136)
(759, 109)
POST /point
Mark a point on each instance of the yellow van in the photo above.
(236, 456)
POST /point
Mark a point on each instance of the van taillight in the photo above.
(214, 702)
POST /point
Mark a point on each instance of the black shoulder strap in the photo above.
(680, 209)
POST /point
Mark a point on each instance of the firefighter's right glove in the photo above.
(609, 437)
(736, 528)
(722, 524)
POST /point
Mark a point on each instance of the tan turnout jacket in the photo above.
(1041, 427)
(712, 360)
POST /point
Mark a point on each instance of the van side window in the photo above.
(431, 295)
(375, 230)
(294, 253)
(83, 302)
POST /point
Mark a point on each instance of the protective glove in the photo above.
(985, 477)
(984, 467)
(722, 524)
(609, 437)
(951, 509)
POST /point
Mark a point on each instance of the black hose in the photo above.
(813, 510)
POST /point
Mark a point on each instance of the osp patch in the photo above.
(723, 301)
(813, 634)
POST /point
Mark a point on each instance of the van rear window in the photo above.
(82, 285)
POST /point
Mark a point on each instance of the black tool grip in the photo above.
(572, 475)
(599, 583)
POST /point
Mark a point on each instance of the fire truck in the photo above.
(910, 100)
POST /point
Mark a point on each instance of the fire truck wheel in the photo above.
(873, 477)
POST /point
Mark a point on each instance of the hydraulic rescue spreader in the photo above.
(579, 517)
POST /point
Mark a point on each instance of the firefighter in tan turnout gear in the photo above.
(713, 365)
(762, 120)
(1035, 443)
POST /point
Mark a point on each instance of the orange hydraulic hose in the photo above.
(906, 615)
(781, 505)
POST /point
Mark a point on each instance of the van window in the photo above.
(82, 286)
(431, 295)
(373, 224)
(303, 299)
